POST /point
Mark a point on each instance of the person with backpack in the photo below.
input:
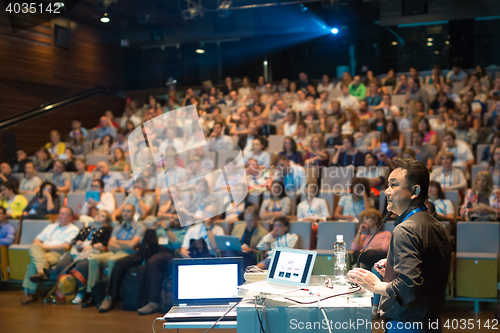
(125, 240)
(89, 241)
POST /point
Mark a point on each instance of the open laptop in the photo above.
(289, 270)
(225, 243)
(205, 289)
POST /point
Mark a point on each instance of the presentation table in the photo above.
(283, 313)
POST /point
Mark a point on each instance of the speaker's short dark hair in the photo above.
(416, 174)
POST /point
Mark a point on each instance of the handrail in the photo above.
(44, 108)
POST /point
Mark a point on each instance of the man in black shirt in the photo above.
(418, 261)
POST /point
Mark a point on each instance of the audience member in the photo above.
(449, 177)
(301, 138)
(141, 198)
(482, 202)
(61, 179)
(463, 132)
(205, 231)
(335, 140)
(7, 231)
(390, 110)
(391, 135)
(90, 240)
(423, 152)
(351, 121)
(257, 153)
(7, 176)
(363, 112)
(415, 92)
(351, 205)
(290, 150)
(402, 86)
(82, 181)
(376, 176)
(45, 202)
(21, 160)
(55, 146)
(347, 154)
(46, 250)
(316, 154)
(12, 201)
(119, 162)
(442, 100)
(278, 204)
(347, 100)
(43, 160)
(390, 79)
(378, 123)
(106, 201)
(217, 141)
(312, 209)
(461, 151)
(76, 125)
(430, 136)
(357, 88)
(113, 181)
(373, 98)
(78, 143)
(105, 128)
(68, 158)
(278, 237)
(435, 79)
(364, 138)
(30, 184)
(445, 210)
(293, 176)
(443, 122)
(129, 116)
(456, 74)
(125, 240)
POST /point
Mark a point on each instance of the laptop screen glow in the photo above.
(290, 267)
(208, 281)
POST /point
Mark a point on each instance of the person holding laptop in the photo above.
(106, 201)
(250, 234)
(278, 237)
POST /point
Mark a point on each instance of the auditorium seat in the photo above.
(478, 246)
(328, 231)
(276, 143)
(454, 197)
(479, 151)
(336, 179)
(94, 159)
(76, 201)
(119, 199)
(226, 226)
(19, 253)
(303, 230)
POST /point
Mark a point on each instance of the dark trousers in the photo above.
(118, 273)
(82, 266)
(157, 269)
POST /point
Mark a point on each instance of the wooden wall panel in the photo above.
(33, 72)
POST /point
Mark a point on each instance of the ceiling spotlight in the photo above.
(447, 42)
(200, 51)
(192, 13)
(430, 39)
(265, 62)
(59, 3)
(429, 44)
(394, 43)
(334, 31)
(303, 8)
(436, 52)
(105, 18)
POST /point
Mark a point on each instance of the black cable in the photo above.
(331, 296)
(258, 315)
(223, 316)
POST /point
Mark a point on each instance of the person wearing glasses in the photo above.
(125, 239)
(106, 202)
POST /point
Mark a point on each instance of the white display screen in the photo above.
(291, 267)
(207, 281)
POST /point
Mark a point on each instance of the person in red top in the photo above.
(371, 219)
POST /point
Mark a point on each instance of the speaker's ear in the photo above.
(416, 190)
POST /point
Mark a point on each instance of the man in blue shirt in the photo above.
(104, 129)
(7, 231)
(113, 181)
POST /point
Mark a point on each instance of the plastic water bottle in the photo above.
(340, 259)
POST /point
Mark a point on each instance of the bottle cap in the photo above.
(340, 238)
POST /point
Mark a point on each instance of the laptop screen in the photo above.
(207, 281)
(291, 267)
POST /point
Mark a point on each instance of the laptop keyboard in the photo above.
(194, 309)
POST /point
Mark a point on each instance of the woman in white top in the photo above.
(325, 85)
(450, 178)
(30, 183)
(245, 89)
(351, 122)
(241, 126)
(289, 126)
(442, 123)
(445, 209)
(290, 96)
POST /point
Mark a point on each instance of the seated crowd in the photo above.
(188, 176)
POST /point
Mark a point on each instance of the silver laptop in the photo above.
(225, 243)
(289, 270)
(205, 289)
